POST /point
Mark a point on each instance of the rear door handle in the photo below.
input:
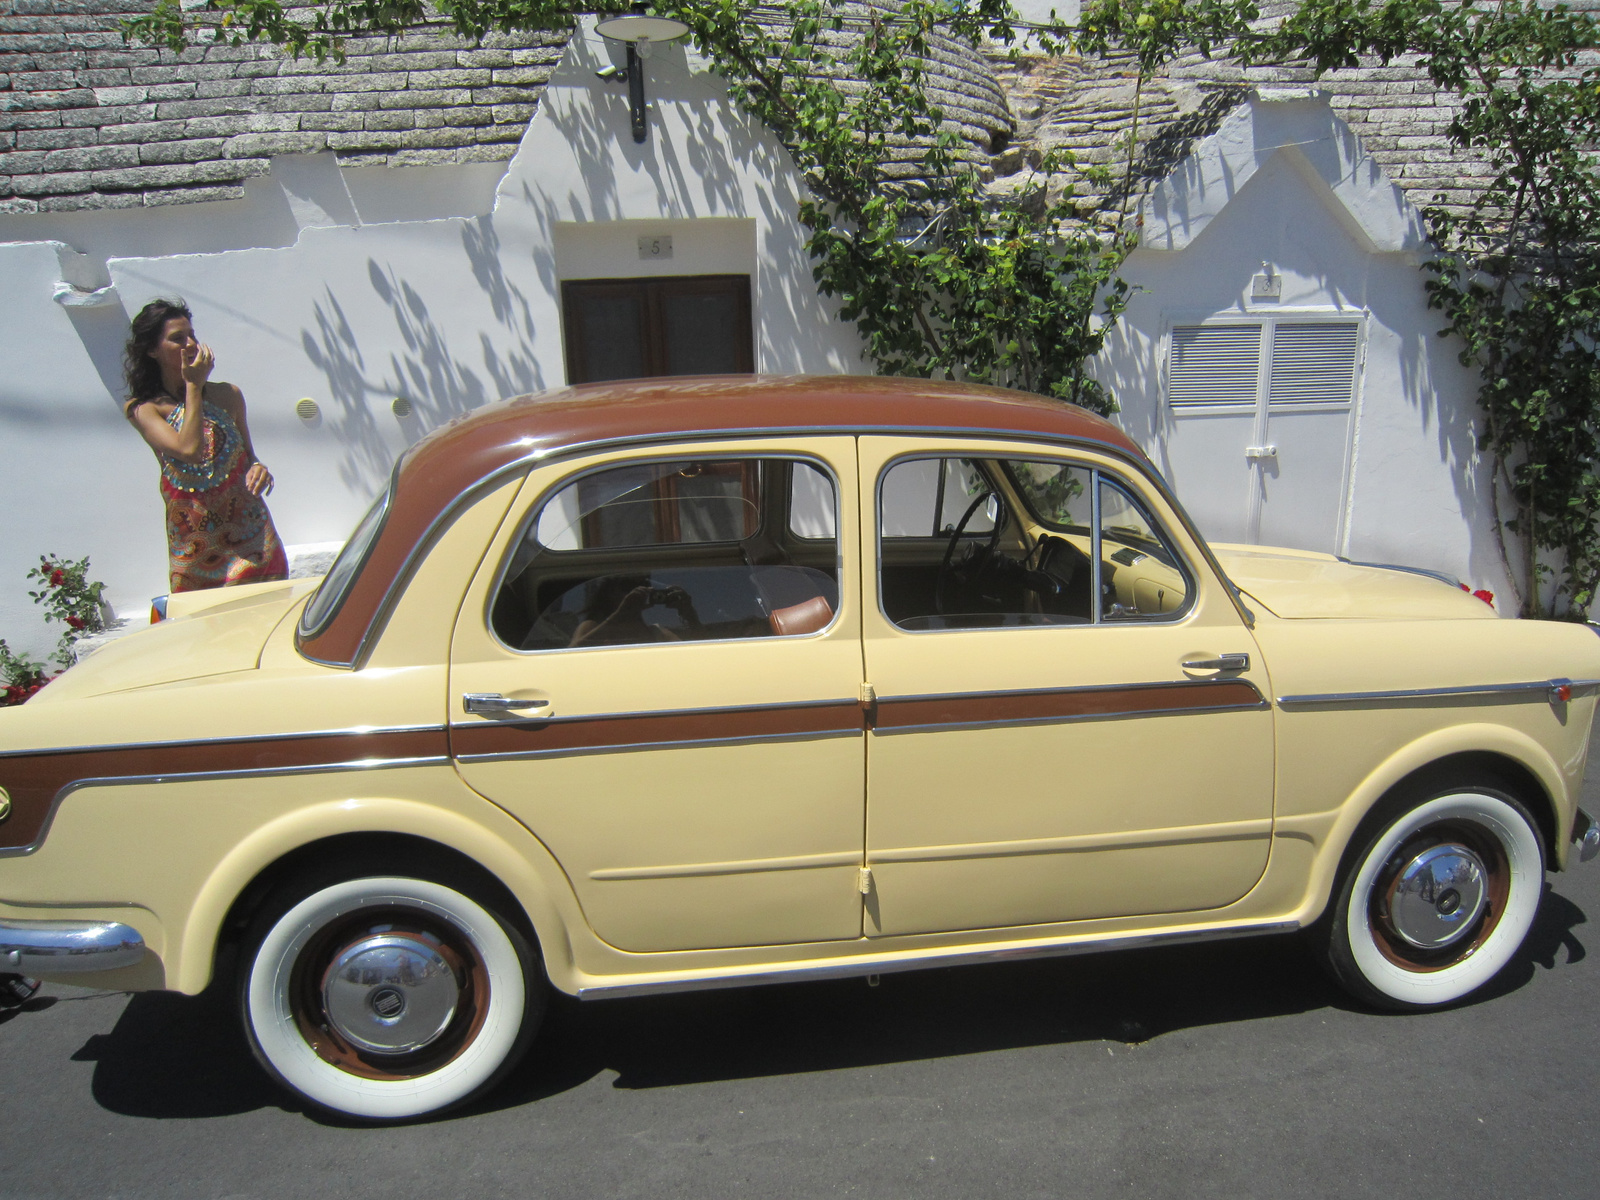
(1224, 662)
(493, 702)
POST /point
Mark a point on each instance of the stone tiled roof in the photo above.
(1087, 106)
(88, 121)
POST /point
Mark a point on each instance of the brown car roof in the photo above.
(451, 462)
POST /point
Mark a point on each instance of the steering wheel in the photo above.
(976, 563)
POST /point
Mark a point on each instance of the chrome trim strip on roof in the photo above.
(892, 963)
(1532, 687)
(662, 744)
(363, 764)
(349, 731)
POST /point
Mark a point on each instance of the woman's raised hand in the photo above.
(197, 363)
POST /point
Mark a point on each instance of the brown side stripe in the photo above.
(569, 735)
(34, 780)
(1023, 707)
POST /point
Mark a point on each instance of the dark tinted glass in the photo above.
(611, 330)
(703, 333)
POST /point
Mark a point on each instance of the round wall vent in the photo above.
(401, 406)
(306, 410)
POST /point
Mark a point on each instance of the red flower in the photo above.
(76, 622)
(57, 577)
(1485, 595)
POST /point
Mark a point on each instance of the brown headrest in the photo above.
(806, 617)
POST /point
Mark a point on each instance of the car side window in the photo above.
(989, 543)
(670, 551)
(1141, 575)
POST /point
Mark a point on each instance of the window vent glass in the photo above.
(1313, 363)
(1214, 364)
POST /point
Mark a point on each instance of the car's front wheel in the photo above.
(1438, 900)
(385, 997)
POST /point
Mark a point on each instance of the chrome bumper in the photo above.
(62, 947)
(1586, 833)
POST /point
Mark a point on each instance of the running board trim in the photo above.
(914, 961)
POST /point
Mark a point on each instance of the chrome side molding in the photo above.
(870, 965)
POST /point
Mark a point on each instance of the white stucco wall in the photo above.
(1285, 182)
(336, 286)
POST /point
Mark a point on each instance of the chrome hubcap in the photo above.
(1438, 896)
(390, 993)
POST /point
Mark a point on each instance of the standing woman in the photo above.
(218, 529)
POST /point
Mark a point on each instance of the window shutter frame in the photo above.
(1215, 365)
(1313, 363)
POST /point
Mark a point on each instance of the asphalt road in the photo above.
(1229, 1070)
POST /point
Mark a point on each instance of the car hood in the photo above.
(220, 637)
(1302, 584)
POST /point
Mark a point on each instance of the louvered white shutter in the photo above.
(1313, 362)
(1214, 364)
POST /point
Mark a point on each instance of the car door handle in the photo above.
(494, 702)
(1224, 662)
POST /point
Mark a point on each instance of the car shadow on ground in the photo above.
(172, 1056)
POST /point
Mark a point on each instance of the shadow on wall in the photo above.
(103, 330)
(429, 373)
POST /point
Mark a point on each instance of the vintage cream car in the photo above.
(713, 682)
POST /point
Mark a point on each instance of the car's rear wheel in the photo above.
(385, 997)
(1438, 900)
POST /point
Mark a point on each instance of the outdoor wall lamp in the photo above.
(639, 33)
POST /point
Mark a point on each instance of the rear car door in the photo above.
(658, 672)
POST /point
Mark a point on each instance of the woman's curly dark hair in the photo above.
(141, 372)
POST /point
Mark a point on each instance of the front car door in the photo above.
(1041, 752)
(657, 670)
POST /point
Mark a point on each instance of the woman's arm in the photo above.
(186, 443)
(257, 480)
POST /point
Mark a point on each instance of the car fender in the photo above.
(1478, 738)
(510, 855)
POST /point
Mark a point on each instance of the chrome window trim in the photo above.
(302, 630)
(1097, 476)
(898, 961)
(537, 505)
(1140, 465)
(1542, 687)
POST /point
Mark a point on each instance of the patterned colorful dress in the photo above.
(217, 532)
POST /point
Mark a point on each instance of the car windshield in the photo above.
(325, 602)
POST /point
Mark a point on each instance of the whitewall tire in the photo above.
(386, 998)
(1439, 901)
